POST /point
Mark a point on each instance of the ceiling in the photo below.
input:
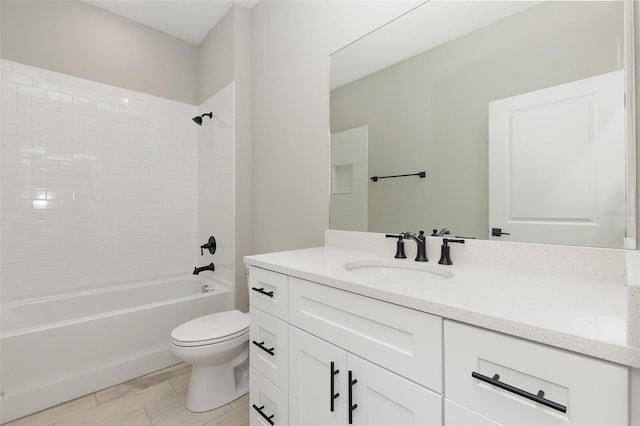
(189, 20)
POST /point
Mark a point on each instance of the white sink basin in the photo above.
(398, 271)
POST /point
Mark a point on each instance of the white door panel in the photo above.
(554, 163)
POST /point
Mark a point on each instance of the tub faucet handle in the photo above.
(210, 245)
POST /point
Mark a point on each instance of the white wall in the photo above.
(225, 57)
(215, 57)
(81, 40)
(98, 184)
(243, 151)
(215, 182)
(291, 43)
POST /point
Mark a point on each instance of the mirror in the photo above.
(515, 111)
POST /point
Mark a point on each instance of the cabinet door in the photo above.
(381, 397)
(315, 367)
(457, 415)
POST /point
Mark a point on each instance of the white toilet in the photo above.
(217, 346)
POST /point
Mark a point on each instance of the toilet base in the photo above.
(212, 386)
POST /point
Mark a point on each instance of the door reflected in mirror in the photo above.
(515, 110)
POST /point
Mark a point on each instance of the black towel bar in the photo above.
(421, 174)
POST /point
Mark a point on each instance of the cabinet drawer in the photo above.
(268, 291)
(403, 340)
(268, 405)
(269, 347)
(510, 373)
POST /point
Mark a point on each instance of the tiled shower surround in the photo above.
(98, 184)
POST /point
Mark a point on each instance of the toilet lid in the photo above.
(209, 329)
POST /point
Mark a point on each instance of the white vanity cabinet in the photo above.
(392, 354)
(492, 378)
(269, 348)
(325, 356)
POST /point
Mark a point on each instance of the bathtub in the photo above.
(54, 349)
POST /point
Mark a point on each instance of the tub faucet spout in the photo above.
(209, 267)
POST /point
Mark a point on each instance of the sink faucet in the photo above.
(421, 243)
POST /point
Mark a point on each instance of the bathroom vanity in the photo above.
(457, 345)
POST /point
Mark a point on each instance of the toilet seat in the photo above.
(211, 329)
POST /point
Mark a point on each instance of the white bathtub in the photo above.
(54, 349)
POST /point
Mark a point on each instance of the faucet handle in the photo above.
(210, 245)
(445, 255)
(399, 245)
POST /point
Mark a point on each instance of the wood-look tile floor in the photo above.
(155, 399)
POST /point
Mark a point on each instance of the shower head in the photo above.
(198, 120)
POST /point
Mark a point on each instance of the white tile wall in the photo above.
(216, 181)
(98, 184)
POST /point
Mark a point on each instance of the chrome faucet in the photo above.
(421, 243)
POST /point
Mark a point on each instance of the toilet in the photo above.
(217, 347)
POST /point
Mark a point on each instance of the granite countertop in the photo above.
(587, 317)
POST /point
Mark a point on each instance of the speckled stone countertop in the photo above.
(577, 314)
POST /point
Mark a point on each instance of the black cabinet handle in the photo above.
(261, 290)
(539, 397)
(264, 348)
(267, 418)
(334, 394)
(352, 406)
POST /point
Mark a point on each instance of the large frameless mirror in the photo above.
(503, 120)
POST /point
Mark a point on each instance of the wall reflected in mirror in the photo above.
(515, 110)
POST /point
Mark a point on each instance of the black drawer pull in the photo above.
(267, 418)
(261, 290)
(352, 406)
(264, 348)
(539, 398)
(334, 394)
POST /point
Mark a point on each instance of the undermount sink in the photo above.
(397, 271)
